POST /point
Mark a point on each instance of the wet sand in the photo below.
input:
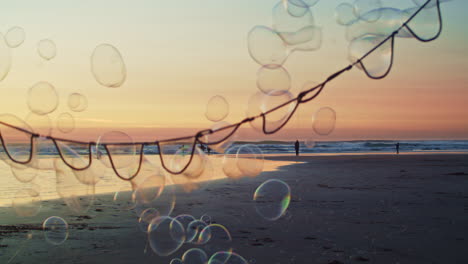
(344, 209)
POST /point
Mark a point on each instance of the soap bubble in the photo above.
(379, 62)
(151, 188)
(266, 47)
(295, 8)
(196, 166)
(185, 220)
(176, 261)
(250, 160)
(227, 257)
(5, 62)
(124, 198)
(41, 124)
(310, 143)
(47, 49)
(77, 102)
(305, 39)
(217, 108)
(229, 163)
(273, 81)
(27, 202)
(55, 230)
(272, 199)
(214, 238)
(146, 217)
(23, 173)
(65, 123)
(194, 256)
(165, 235)
(42, 98)
(344, 14)
(194, 229)
(108, 66)
(284, 22)
(15, 37)
(206, 218)
(324, 121)
(362, 9)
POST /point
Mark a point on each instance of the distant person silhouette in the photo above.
(209, 150)
(397, 146)
(296, 146)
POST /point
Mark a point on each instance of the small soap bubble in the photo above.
(42, 98)
(296, 8)
(206, 218)
(217, 108)
(165, 235)
(77, 102)
(344, 14)
(195, 256)
(176, 261)
(194, 229)
(230, 168)
(273, 81)
(324, 121)
(55, 230)
(185, 220)
(27, 202)
(367, 10)
(15, 37)
(272, 199)
(108, 66)
(228, 257)
(146, 217)
(266, 47)
(47, 49)
(65, 123)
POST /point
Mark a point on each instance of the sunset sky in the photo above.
(178, 54)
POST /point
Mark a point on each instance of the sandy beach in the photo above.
(344, 209)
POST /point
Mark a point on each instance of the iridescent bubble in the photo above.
(273, 81)
(5, 62)
(185, 220)
(108, 66)
(27, 202)
(195, 256)
(42, 98)
(368, 10)
(79, 197)
(47, 49)
(65, 123)
(227, 257)
(344, 14)
(324, 121)
(146, 217)
(266, 47)
(206, 218)
(378, 63)
(15, 37)
(125, 198)
(41, 124)
(217, 108)
(77, 102)
(229, 163)
(176, 261)
(55, 230)
(272, 199)
(214, 238)
(165, 235)
(310, 143)
(250, 160)
(194, 229)
(125, 157)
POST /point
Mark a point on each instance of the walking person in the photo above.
(296, 146)
(397, 146)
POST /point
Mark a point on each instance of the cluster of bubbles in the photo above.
(369, 22)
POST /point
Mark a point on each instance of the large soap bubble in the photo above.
(272, 199)
(324, 121)
(273, 81)
(362, 9)
(227, 257)
(217, 108)
(165, 235)
(5, 62)
(15, 37)
(195, 256)
(77, 102)
(27, 202)
(266, 47)
(47, 49)
(42, 98)
(108, 66)
(55, 230)
(379, 62)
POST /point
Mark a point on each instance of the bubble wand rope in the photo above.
(303, 97)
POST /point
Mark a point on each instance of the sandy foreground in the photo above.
(344, 209)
